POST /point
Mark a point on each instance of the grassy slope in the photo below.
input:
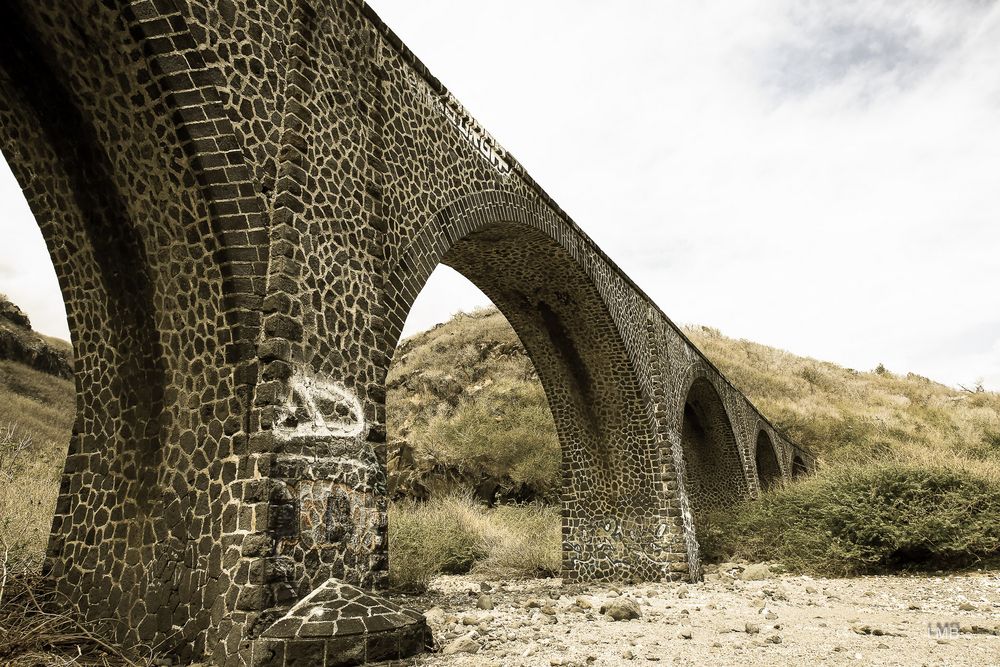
(849, 416)
(41, 406)
(466, 398)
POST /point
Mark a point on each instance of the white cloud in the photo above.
(26, 273)
(820, 176)
(816, 175)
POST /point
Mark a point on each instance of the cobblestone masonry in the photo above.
(241, 201)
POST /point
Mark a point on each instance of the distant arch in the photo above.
(768, 469)
(714, 474)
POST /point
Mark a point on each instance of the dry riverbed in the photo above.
(741, 616)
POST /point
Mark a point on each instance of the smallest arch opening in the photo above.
(799, 467)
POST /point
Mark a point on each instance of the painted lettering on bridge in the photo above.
(470, 129)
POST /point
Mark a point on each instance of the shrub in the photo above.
(503, 437)
(868, 518)
(426, 539)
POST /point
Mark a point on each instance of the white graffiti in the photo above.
(468, 127)
(320, 408)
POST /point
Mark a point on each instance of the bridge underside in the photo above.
(241, 202)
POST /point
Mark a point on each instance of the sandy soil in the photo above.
(776, 620)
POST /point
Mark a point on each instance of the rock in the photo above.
(621, 609)
(756, 572)
(470, 619)
(811, 589)
(752, 628)
(770, 615)
(628, 655)
(485, 587)
(13, 314)
(583, 603)
(485, 601)
(967, 606)
(773, 639)
(465, 644)
(435, 615)
(685, 633)
(549, 610)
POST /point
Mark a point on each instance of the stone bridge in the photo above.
(242, 200)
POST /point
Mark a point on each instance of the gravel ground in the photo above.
(742, 615)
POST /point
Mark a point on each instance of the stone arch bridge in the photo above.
(241, 201)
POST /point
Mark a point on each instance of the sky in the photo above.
(820, 176)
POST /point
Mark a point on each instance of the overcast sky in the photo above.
(823, 177)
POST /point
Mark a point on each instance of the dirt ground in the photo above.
(740, 616)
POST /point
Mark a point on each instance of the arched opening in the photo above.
(473, 457)
(799, 467)
(768, 469)
(465, 411)
(714, 475)
(611, 514)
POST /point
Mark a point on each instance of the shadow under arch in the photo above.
(799, 467)
(713, 468)
(613, 518)
(766, 459)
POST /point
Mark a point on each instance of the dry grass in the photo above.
(32, 634)
(455, 535)
(41, 409)
(466, 398)
(847, 415)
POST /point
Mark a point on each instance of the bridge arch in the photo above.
(526, 260)
(714, 472)
(766, 460)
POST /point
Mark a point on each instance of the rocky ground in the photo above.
(741, 615)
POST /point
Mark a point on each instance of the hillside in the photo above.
(844, 414)
(37, 407)
(464, 402)
(466, 412)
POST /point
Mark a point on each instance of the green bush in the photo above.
(868, 518)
